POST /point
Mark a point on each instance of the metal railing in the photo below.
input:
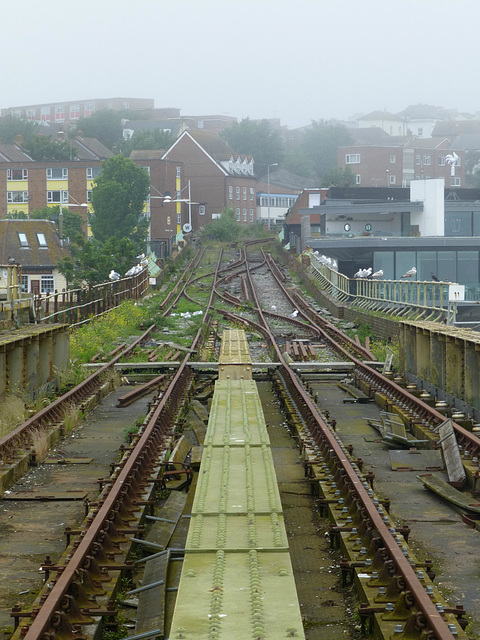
(77, 306)
(425, 299)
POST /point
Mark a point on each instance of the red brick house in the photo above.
(219, 178)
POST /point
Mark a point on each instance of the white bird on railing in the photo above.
(410, 273)
(140, 257)
(133, 271)
(113, 275)
(294, 313)
(378, 274)
(368, 272)
(358, 274)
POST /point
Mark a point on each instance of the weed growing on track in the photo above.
(40, 444)
(102, 335)
(13, 414)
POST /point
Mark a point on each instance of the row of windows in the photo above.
(54, 173)
(277, 201)
(52, 196)
(22, 237)
(354, 158)
(237, 193)
(44, 113)
(47, 283)
(244, 215)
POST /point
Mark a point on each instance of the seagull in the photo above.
(140, 257)
(368, 272)
(434, 278)
(274, 308)
(410, 273)
(294, 314)
(378, 274)
(133, 271)
(113, 275)
(358, 274)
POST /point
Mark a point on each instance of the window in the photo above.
(57, 196)
(441, 161)
(420, 132)
(89, 196)
(252, 193)
(45, 114)
(238, 213)
(31, 114)
(179, 218)
(93, 172)
(352, 158)
(24, 285)
(244, 215)
(74, 111)
(358, 179)
(89, 109)
(392, 179)
(17, 174)
(455, 182)
(23, 239)
(57, 173)
(393, 158)
(17, 196)
(125, 105)
(200, 124)
(179, 172)
(417, 159)
(426, 160)
(47, 284)
(230, 192)
(42, 242)
(244, 193)
(251, 215)
(237, 193)
(60, 114)
(201, 210)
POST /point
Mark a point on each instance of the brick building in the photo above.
(219, 178)
(70, 111)
(396, 164)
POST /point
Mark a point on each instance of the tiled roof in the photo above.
(33, 255)
(13, 153)
(380, 115)
(91, 149)
(147, 154)
(214, 145)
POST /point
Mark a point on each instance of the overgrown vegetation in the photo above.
(104, 334)
(12, 414)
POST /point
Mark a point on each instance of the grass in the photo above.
(103, 335)
(40, 444)
(12, 414)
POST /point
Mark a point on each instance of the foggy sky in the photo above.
(297, 60)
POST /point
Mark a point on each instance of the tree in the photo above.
(118, 199)
(72, 221)
(43, 149)
(339, 177)
(257, 139)
(11, 127)
(319, 147)
(93, 260)
(104, 125)
(153, 139)
(225, 228)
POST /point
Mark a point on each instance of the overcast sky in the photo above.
(297, 60)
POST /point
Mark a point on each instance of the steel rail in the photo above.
(146, 447)
(322, 432)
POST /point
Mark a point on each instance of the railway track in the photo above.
(373, 548)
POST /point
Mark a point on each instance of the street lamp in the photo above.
(60, 214)
(188, 226)
(275, 164)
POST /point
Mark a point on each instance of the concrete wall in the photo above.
(431, 221)
(31, 357)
